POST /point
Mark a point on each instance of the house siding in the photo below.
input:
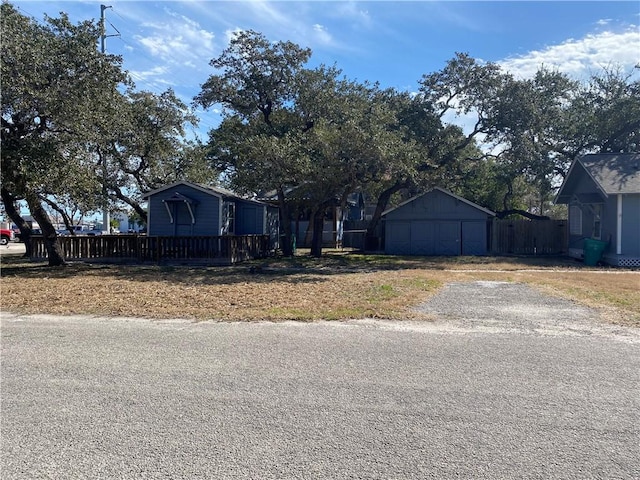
(436, 224)
(436, 205)
(250, 218)
(609, 223)
(631, 226)
(206, 213)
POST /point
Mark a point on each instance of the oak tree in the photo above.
(56, 88)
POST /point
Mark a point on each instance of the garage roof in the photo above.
(446, 192)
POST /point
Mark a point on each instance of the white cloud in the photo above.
(354, 12)
(287, 21)
(145, 75)
(582, 57)
(268, 12)
(577, 58)
(321, 34)
(178, 40)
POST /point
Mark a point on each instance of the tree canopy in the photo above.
(76, 133)
(74, 129)
(316, 135)
(56, 90)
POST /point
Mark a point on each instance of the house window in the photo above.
(575, 220)
(597, 223)
(229, 218)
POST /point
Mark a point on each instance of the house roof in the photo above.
(215, 191)
(446, 192)
(612, 174)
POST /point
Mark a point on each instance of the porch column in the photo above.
(619, 227)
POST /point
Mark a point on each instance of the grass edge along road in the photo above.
(337, 286)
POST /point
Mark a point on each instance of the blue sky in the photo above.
(169, 44)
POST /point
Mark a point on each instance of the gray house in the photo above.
(603, 195)
(437, 223)
(188, 209)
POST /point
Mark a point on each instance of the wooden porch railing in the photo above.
(224, 249)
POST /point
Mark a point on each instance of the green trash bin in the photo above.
(593, 250)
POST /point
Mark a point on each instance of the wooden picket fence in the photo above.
(529, 237)
(227, 249)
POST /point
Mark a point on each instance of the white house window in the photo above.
(597, 223)
(575, 220)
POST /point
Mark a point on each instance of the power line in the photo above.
(30, 15)
(122, 34)
(154, 88)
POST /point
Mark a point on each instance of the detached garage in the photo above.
(437, 223)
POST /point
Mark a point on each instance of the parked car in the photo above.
(82, 230)
(18, 234)
(94, 232)
(75, 229)
(6, 236)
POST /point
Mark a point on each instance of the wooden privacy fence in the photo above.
(529, 237)
(218, 249)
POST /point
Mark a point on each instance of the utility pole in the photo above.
(106, 221)
(103, 28)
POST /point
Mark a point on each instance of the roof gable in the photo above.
(446, 192)
(611, 174)
(214, 191)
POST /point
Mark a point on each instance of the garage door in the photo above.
(422, 238)
(435, 238)
(448, 238)
(398, 238)
(474, 238)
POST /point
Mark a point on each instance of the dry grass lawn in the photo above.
(337, 286)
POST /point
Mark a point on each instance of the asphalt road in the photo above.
(479, 393)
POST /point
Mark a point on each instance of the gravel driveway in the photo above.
(504, 307)
(506, 383)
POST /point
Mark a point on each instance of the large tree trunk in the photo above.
(515, 211)
(54, 253)
(383, 201)
(9, 202)
(318, 228)
(285, 222)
